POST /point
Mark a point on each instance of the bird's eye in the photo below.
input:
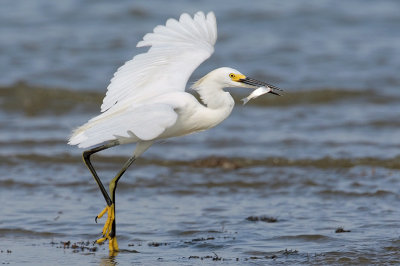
(231, 75)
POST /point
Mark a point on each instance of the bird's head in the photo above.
(230, 77)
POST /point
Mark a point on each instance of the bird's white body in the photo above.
(146, 99)
(164, 116)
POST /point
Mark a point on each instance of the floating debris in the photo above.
(266, 219)
(214, 258)
(203, 239)
(76, 247)
(8, 251)
(341, 230)
(156, 244)
(290, 252)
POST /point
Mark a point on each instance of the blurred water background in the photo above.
(311, 177)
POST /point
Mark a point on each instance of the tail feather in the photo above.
(78, 136)
(136, 123)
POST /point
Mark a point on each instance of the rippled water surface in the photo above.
(308, 178)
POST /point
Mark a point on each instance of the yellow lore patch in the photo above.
(236, 77)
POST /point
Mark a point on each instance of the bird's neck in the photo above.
(213, 95)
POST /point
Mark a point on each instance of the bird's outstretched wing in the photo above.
(176, 50)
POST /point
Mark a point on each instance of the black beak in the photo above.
(274, 93)
(257, 83)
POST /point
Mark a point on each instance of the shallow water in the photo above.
(271, 185)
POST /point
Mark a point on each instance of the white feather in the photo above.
(177, 49)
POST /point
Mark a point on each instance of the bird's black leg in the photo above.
(113, 187)
(109, 230)
(86, 158)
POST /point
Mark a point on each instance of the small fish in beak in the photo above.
(258, 92)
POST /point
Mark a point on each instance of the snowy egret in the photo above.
(146, 99)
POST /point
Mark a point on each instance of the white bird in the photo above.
(146, 99)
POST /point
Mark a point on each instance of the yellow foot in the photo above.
(113, 245)
(110, 219)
